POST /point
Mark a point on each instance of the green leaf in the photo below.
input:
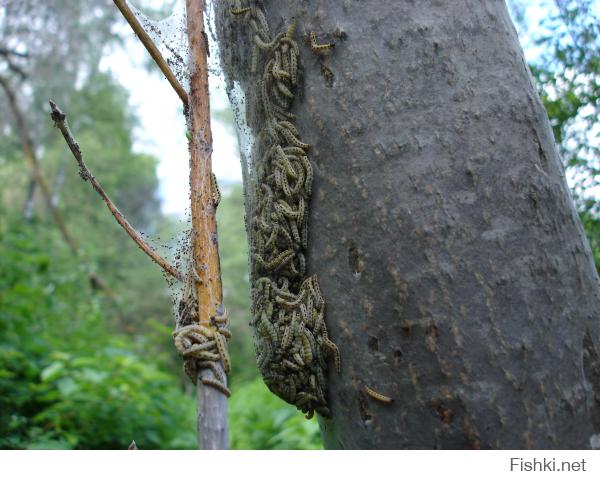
(52, 372)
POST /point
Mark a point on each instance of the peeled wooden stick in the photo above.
(213, 430)
(152, 49)
(60, 120)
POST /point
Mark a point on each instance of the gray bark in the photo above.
(213, 427)
(456, 273)
(29, 200)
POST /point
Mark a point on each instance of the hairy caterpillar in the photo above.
(289, 137)
(239, 11)
(277, 262)
(316, 46)
(216, 192)
(221, 344)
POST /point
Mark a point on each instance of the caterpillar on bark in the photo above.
(290, 335)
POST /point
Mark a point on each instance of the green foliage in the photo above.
(236, 288)
(260, 420)
(567, 70)
(67, 379)
(568, 73)
(71, 378)
(591, 224)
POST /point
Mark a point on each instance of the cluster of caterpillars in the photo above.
(202, 346)
(290, 334)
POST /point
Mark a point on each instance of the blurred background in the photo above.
(86, 357)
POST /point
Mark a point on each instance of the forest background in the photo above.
(84, 368)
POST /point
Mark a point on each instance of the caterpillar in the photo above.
(216, 192)
(293, 67)
(336, 353)
(277, 262)
(267, 330)
(290, 138)
(307, 354)
(218, 385)
(202, 346)
(198, 347)
(204, 355)
(239, 11)
(221, 344)
(316, 47)
(286, 340)
(284, 90)
(377, 396)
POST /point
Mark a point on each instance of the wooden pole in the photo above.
(213, 432)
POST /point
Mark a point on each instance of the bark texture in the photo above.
(456, 274)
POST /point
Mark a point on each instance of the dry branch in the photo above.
(60, 120)
(152, 49)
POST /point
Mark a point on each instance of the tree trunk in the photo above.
(456, 274)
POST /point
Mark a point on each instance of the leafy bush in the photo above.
(67, 379)
(260, 420)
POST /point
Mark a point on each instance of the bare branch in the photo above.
(5, 52)
(15, 68)
(60, 120)
(152, 49)
(8, 55)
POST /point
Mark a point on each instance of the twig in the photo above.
(60, 120)
(5, 52)
(213, 430)
(152, 49)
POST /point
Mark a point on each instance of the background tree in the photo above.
(457, 277)
(44, 47)
(566, 70)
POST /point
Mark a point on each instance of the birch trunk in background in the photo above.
(455, 270)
